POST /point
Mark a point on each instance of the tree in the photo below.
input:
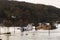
(32, 13)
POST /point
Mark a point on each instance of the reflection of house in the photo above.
(44, 26)
(38, 27)
(27, 28)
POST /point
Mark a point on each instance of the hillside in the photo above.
(13, 13)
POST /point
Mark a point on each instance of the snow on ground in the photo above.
(30, 35)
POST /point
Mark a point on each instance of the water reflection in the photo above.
(16, 34)
(7, 37)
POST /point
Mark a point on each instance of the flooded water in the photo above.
(29, 35)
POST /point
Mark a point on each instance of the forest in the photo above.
(13, 13)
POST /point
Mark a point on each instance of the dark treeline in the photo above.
(13, 13)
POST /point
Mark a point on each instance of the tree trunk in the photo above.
(7, 37)
(14, 30)
(7, 29)
(0, 30)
